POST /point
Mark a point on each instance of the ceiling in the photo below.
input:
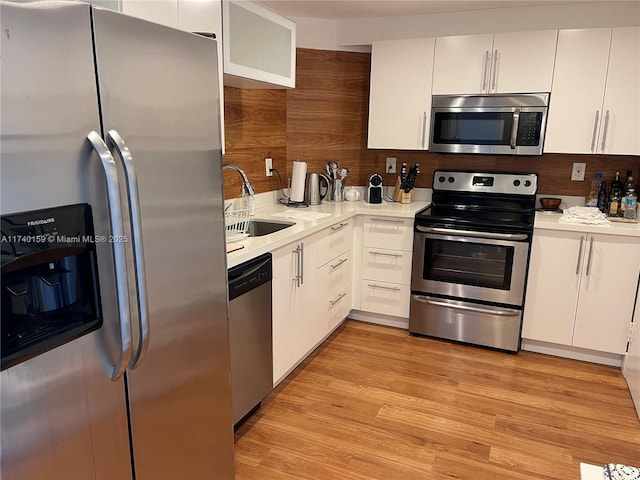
(357, 9)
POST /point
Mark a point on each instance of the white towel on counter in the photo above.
(586, 215)
(614, 471)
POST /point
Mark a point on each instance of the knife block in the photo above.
(399, 195)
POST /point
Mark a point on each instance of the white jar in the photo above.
(351, 194)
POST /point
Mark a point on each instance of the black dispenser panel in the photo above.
(50, 292)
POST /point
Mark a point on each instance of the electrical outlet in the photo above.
(268, 165)
(391, 165)
(577, 174)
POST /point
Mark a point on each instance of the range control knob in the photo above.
(441, 179)
(516, 183)
(527, 183)
(451, 179)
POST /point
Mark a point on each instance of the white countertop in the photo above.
(550, 221)
(255, 246)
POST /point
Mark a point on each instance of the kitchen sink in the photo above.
(259, 228)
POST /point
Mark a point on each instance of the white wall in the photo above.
(357, 35)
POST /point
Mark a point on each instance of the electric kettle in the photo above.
(312, 194)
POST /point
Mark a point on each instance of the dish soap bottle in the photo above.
(592, 199)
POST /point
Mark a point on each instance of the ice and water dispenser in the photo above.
(50, 292)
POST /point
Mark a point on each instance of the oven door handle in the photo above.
(468, 233)
(468, 308)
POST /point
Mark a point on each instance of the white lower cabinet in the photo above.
(311, 289)
(294, 313)
(581, 289)
(385, 265)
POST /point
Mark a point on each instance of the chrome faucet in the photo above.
(245, 181)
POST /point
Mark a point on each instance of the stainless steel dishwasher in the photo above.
(250, 334)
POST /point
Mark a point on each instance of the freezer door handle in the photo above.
(114, 140)
(120, 261)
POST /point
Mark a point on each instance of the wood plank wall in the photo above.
(325, 118)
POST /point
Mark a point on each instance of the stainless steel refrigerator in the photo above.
(118, 118)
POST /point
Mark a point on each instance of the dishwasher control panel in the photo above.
(249, 275)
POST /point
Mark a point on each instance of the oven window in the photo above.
(473, 128)
(468, 263)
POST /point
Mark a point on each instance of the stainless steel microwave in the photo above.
(510, 124)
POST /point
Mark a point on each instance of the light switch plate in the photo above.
(577, 174)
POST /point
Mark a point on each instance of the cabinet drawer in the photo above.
(334, 240)
(385, 298)
(388, 232)
(334, 275)
(337, 308)
(392, 266)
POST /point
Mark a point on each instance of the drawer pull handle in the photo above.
(393, 289)
(396, 255)
(333, 267)
(388, 220)
(340, 297)
(339, 227)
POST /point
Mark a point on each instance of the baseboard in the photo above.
(574, 353)
(380, 319)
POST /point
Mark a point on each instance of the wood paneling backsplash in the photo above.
(325, 118)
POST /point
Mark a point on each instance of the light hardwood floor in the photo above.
(374, 402)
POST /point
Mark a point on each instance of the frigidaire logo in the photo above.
(42, 221)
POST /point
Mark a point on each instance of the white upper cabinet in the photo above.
(595, 99)
(400, 94)
(203, 16)
(164, 12)
(259, 46)
(621, 130)
(516, 62)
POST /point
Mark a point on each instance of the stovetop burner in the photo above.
(481, 201)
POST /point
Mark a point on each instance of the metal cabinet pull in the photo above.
(579, 255)
(393, 289)
(384, 254)
(595, 130)
(115, 140)
(424, 127)
(590, 256)
(494, 67)
(119, 257)
(342, 261)
(298, 264)
(514, 128)
(340, 297)
(387, 220)
(606, 129)
(485, 69)
(339, 227)
(301, 263)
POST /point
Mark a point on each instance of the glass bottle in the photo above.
(602, 196)
(592, 198)
(631, 205)
(613, 209)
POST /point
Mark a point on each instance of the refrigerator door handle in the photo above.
(115, 140)
(120, 262)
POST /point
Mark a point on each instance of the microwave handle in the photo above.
(514, 128)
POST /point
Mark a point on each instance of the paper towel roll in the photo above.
(298, 179)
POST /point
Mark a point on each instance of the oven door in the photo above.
(489, 267)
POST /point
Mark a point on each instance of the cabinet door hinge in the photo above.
(630, 331)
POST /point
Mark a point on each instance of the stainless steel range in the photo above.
(470, 258)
